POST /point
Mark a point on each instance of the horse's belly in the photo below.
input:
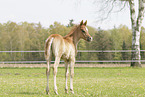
(68, 52)
(68, 56)
(65, 56)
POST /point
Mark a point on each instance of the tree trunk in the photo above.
(136, 28)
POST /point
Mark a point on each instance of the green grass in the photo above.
(88, 82)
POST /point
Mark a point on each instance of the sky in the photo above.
(48, 11)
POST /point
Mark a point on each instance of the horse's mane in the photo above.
(72, 30)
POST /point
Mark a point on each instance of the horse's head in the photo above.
(84, 32)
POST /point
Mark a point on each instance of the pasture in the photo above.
(88, 82)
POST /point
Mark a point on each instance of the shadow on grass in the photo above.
(29, 93)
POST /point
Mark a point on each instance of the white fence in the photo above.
(15, 60)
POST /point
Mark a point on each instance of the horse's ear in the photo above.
(85, 23)
(81, 22)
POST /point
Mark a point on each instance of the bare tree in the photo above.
(136, 28)
(108, 8)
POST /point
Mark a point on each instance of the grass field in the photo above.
(88, 82)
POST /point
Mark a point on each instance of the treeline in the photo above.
(26, 36)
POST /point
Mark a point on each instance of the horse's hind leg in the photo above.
(47, 74)
(66, 76)
(48, 55)
(57, 60)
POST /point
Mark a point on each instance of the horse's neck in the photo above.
(75, 39)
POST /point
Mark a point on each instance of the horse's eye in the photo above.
(83, 31)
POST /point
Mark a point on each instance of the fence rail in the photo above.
(93, 51)
(32, 62)
(78, 61)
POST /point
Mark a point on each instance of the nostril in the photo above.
(91, 38)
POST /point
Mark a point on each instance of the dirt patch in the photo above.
(17, 73)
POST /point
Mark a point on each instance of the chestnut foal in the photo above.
(64, 48)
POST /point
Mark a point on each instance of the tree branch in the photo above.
(108, 7)
(121, 8)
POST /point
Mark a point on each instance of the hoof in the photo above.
(66, 91)
(47, 92)
(56, 92)
(72, 91)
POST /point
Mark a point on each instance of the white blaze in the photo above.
(86, 29)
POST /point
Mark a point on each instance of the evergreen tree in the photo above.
(102, 42)
(124, 54)
(71, 24)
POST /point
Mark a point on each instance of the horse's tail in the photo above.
(48, 44)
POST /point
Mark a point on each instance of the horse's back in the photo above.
(62, 47)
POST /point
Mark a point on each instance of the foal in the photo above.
(64, 48)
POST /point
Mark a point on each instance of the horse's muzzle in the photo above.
(89, 39)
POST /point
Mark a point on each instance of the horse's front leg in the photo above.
(66, 76)
(57, 60)
(71, 75)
